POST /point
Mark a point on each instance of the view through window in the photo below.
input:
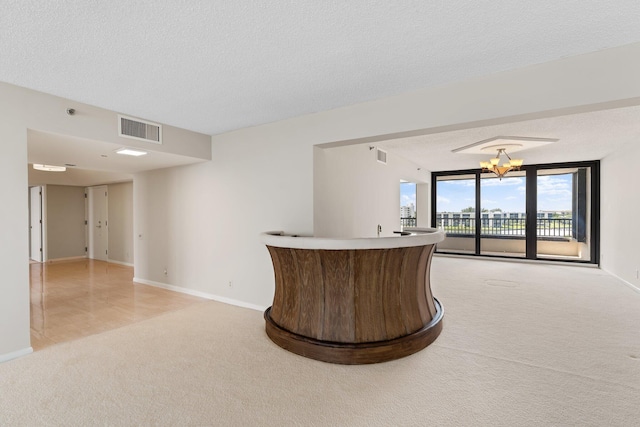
(407, 204)
(549, 217)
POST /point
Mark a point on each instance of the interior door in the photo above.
(97, 223)
(35, 223)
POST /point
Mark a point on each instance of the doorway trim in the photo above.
(97, 222)
(36, 223)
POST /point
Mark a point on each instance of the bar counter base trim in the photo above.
(356, 353)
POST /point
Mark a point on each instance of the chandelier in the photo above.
(493, 164)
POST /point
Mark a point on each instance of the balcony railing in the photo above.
(552, 227)
(408, 221)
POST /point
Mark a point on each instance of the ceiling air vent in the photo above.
(382, 156)
(139, 129)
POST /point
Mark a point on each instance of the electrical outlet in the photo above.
(637, 274)
(165, 272)
(230, 284)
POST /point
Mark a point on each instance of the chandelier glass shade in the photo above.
(493, 165)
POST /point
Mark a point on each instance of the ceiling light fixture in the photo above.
(493, 164)
(49, 168)
(130, 152)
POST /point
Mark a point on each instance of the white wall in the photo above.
(14, 251)
(620, 203)
(423, 204)
(22, 109)
(353, 192)
(64, 227)
(203, 221)
(120, 217)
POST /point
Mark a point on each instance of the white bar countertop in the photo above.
(418, 237)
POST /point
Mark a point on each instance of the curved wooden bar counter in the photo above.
(353, 301)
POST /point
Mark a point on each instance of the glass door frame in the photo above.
(531, 191)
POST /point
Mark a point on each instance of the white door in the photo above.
(35, 223)
(97, 225)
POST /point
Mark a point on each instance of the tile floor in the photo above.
(74, 299)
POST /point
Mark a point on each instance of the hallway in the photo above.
(75, 299)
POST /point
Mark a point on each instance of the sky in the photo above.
(508, 194)
(407, 193)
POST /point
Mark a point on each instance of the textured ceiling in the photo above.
(585, 136)
(215, 66)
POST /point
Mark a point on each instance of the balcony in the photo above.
(559, 228)
(408, 222)
(506, 236)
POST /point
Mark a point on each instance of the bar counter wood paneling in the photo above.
(353, 301)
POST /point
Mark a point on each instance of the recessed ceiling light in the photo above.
(49, 168)
(130, 152)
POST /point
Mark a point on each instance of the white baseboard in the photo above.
(113, 261)
(15, 354)
(516, 260)
(629, 284)
(76, 258)
(200, 294)
(71, 258)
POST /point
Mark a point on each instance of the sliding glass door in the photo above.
(563, 216)
(540, 212)
(456, 212)
(503, 215)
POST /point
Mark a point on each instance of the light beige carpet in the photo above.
(557, 346)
